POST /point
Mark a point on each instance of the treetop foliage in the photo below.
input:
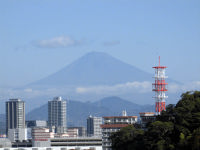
(177, 128)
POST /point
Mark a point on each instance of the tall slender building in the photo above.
(93, 126)
(57, 115)
(15, 114)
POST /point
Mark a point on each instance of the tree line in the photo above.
(177, 128)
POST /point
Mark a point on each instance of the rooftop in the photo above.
(147, 113)
(59, 98)
(109, 117)
(15, 99)
(114, 125)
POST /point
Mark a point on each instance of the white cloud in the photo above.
(117, 89)
(58, 42)
(141, 87)
(190, 86)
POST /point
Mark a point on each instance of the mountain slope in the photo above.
(117, 104)
(95, 68)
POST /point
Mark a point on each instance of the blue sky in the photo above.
(38, 38)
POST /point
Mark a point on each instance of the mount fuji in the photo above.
(94, 68)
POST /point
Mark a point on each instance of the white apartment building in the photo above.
(57, 114)
(114, 124)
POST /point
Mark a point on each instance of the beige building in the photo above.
(41, 137)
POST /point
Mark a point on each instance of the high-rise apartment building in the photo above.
(57, 115)
(15, 114)
(93, 126)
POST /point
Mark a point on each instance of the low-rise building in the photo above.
(41, 137)
(69, 143)
(147, 117)
(18, 134)
(5, 143)
(72, 132)
(81, 131)
(36, 123)
(30, 124)
(77, 141)
(114, 124)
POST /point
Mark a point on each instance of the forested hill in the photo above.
(177, 128)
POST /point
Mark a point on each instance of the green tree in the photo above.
(196, 139)
(123, 140)
(158, 135)
(177, 128)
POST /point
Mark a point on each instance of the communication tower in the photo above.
(160, 87)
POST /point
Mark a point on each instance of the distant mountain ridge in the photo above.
(77, 112)
(95, 68)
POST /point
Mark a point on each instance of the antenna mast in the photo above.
(160, 88)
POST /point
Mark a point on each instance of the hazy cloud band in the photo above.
(57, 42)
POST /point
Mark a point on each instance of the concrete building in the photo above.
(36, 123)
(72, 132)
(5, 143)
(15, 114)
(81, 131)
(77, 141)
(18, 134)
(56, 148)
(41, 137)
(93, 126)
(114, 124)
(57, 115)
(147, 117)
(30, 124)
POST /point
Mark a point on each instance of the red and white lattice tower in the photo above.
(160, 87)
